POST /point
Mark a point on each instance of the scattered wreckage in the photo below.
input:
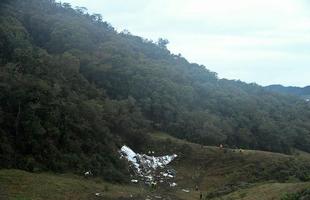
(150, 170)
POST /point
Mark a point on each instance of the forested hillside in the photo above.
(73, 90)
(303, 92)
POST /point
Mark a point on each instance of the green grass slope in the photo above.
(21, 185)
(266, 191)
(219, 174)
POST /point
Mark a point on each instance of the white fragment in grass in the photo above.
(87, 173)
(172, 184)
(184, 190)
(97, 194)
(134, 181)
(167, 174)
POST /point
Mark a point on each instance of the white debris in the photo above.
(97, 194)
(149, 177)
(146, 166)
(134, 181)
(144, 161)
(172, 184)
(130, 155)
(87, 173)
(165, 174)
(185, 190)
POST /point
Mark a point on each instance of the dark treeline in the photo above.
(73, 89)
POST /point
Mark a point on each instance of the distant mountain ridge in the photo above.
(304, 92)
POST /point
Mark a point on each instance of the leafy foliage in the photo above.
(73, 89)
(304, 194)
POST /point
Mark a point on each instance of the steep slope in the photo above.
(73, 90)
(51, 117)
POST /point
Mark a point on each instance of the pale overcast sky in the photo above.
(262, 41)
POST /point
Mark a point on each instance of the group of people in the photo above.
(221, 146)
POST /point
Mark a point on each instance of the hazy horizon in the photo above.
(260, 41)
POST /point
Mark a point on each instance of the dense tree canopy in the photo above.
(303, 92)
(73, 89)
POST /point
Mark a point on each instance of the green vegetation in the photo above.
(297, 91)
(229, 169)
(303, 194)
(219, 174)
(20, 185)
(267, 191)
(73, 90)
